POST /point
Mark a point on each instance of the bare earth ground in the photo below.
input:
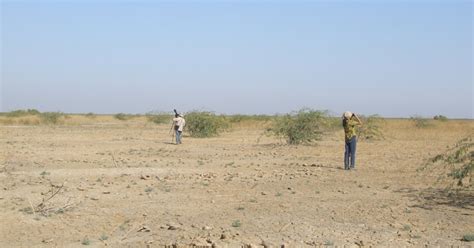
(125, 185)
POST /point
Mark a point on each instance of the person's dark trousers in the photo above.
(349, 154)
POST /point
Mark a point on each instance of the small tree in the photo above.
(304, 126)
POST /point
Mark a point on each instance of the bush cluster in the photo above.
(51, 117)
(440, 118)
(303, 126)
(205, 124)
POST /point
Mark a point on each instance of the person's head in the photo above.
(176, 115)
(347, 115)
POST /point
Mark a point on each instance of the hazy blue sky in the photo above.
(394, 58)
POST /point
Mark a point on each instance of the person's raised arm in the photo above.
(357, 118)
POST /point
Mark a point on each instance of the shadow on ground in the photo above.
(430, 198)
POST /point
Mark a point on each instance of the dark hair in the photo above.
(176, 115)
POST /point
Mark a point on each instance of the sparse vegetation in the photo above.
(51, 117)
(328, 243)
(33, 117)
(122, 116)
(90, 115)
(304, 126)
(248, 189)
(371, 128)
(27, 210)
(460, 159)
(86, 241)
(48, 207)
(20, 113)
(103, 237)
(44, 173)
(420, 122)
(124, 225)
(241, 118)
(148, 189)
(205, 124)
(159, 118)
(236, 223)
(468, 237)
(440, 118)
(406, 227)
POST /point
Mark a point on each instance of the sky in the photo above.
(392, 58)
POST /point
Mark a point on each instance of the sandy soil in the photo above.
(123, 184)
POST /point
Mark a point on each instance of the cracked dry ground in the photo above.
(125, 185)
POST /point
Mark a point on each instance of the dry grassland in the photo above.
(104, 182)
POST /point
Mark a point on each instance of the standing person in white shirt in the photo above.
(178, 123)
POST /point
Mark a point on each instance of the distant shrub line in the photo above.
(298, 127)
(20, 113)
(44, 117)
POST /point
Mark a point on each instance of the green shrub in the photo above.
(122, 116)
(440, 118)
(460, 158)
(86, 241)
(371, 129)
(90, 115)
(304, 126)
(51, 117)
(420, 122)
(236, 223)
(205, 124)
(103, 237)
(468, 237)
